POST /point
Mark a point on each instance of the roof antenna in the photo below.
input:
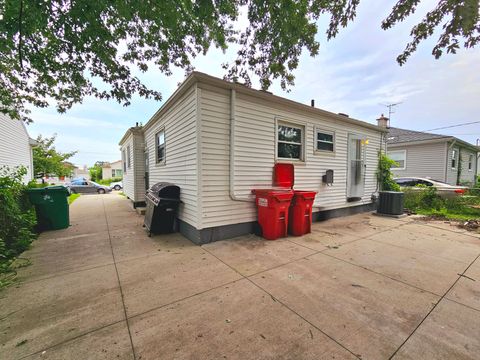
(390, 109)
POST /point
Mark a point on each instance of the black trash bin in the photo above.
(162, 201)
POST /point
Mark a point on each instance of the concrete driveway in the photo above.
(359, 286)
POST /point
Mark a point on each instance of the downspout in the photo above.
(233, 196)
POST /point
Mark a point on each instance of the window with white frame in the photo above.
(128, 157)
(116, 172)
(470, 162)
(123, 161)
(400, 157)
(454, 158)
(290, 141)
(325, 140)
(160, 146)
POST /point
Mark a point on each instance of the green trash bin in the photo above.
(51, 206)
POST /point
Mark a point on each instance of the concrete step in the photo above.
(141, 210)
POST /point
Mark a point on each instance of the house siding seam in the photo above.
(180, 168)
(423, 160)
(255, 134)
(15, 149)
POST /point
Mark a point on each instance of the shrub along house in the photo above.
(439, 157)
(218, 140)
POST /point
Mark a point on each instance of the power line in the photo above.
(474, 134)
(451, 126)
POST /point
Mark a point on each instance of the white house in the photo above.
(218, 140)
(112, 170)
(16, 146)
(439, 157)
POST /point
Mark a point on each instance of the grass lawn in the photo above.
(72, 198)
(463, 214)
(427, 202)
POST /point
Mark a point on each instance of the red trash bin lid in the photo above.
(278, 194)
(283, 175)
(306, 195)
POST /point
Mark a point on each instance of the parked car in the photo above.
(87, 187)
(443, 189)
(116, 185)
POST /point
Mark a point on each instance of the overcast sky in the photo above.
(354, 73)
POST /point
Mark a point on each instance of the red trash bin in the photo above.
(300, 213)
(272, 205)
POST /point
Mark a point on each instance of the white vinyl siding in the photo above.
(423, 160)
(138, 169)
(460, 173)
(128, 176)
(180, 166)
(467, 176)
(133, 178)
(129, 157)
(15, 149)
(255, 154)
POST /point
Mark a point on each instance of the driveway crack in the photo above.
(434, 306)
(118, 279)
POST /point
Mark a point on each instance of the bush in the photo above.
(422, 199)
(33, 184)
(109, 181)
(384, 174)
(17, 219)
(427, 202)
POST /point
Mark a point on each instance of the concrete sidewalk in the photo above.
(361, 286)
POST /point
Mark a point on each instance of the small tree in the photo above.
(95, 172)
(48, 161)
(384, 174)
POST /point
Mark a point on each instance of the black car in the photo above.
(82, 186)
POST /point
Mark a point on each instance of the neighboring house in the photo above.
(218, 140)
(439, 157)
(135, 176)
(81, 172)
(112, 170)
(16, 146)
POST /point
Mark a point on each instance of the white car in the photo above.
(116, 185)
(443, 189)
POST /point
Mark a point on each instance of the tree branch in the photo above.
(20, 20)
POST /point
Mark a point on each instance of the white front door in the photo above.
(356, 166)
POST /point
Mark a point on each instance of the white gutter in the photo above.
(233, 196)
